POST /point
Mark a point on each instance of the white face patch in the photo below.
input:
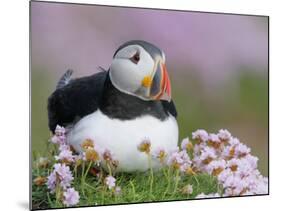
(126, 75)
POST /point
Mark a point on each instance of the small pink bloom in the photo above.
(65, 154)
(110, 182)
(71, 197)
(224, 135)
(214, 138)
(200, 134)
(60, 175)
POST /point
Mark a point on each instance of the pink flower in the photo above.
(60, 175)
(55, 139)
(232, 181)
(216, 167)
(93, 154)
(59, 137)
(160, 154)
(197, 149)
(117, 191)
(185, 167)
(186, 144)
(233, 164)
(207, 155)
(107, 155)
(261, 186)
(110, 182)
(214, 138)
(177, 159)
(71, 197)
(228, 152)
(245, 168)
(234, 185)
(144, 146)
(224, 175)
(65, 154)
(251, 160)
(242, 150)
(201, 135)
(58, 140)
(224, 135)
(234, 141)
(60, 131)
(51, 182)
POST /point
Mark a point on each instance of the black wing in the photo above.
(170, 107)
(76, 99)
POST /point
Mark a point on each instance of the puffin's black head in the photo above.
(138, 68)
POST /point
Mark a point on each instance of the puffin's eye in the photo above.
(135, 58)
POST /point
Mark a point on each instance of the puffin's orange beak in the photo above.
(159, 85)
(165, 85)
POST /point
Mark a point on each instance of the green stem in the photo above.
(58, 193)
(109, 169)
(49, 200)
(75, 171)
(151, 173)
(103, 190)
(100, 176)
(134, 191)
(82, 178)
(196, 180)
(89, 166)
(177, 182)
(93, 188)
(82, 173)
(169, 181)
(165, 174)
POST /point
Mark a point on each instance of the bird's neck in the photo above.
(117, 104)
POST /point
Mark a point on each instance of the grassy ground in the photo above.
(135, 188)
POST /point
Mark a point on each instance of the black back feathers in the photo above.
(75, 100)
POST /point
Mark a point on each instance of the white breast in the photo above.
(123, 137)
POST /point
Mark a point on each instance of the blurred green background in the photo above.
(218, 64)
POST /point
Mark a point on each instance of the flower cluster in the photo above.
(61, 176)
(71, 197)
(110, 182)
(225, 157)
(65, 154)
(144, 146)
(160, 154)
(59, 137)
(179, 159)
(97, 155)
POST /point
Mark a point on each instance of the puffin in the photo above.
(120, 107)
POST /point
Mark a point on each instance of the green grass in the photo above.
(135, 188)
